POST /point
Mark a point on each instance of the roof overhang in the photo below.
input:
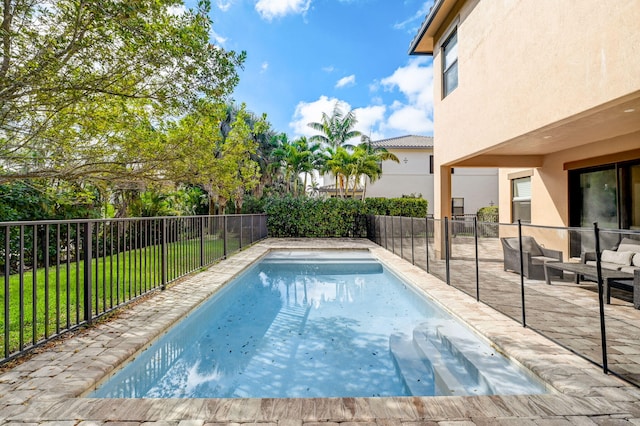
(423, 43)
(605, 122)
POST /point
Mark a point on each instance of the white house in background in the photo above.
(472, 188)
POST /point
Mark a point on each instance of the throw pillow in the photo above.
(618, 257)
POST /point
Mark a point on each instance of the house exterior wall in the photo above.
(531, 67)
(478, 186)
(405, 178)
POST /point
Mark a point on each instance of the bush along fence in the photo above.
(59, 275)
(560, 282)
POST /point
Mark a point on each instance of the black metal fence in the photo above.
(492, 262)
(59, 275)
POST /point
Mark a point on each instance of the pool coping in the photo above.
(49, 386)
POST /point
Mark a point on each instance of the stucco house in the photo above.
(547, 91)
(472, 188)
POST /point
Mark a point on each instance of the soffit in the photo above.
(607, 121)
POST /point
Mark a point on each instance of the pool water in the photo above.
(317, 324)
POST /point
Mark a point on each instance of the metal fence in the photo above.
(59, 275)
(572, 310)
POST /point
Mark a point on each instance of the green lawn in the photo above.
(59, 294)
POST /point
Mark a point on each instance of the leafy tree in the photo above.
(87, 86)
(220, 162)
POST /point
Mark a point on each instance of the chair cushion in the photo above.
(629, 269)
(627, 244)
(529, 245)
(620, 257)
(636, 259)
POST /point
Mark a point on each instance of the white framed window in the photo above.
(450, 63)
(521, 201)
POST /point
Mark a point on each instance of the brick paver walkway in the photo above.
(49, 388)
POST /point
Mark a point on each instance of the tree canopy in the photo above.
(87, 87)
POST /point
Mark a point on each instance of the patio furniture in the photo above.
(625, 257)
(610, 278)
(534, 257)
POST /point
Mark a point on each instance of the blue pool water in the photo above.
(317, 324)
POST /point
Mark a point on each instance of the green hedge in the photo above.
(333, 217)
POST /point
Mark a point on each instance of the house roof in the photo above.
(423, 42)
(409, 141)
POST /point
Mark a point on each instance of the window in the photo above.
(450, 64)
(457, 206)
(521, 201)
(607, 194)
(431, 164)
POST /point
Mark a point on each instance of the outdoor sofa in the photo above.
(624, 258)
(533, 254)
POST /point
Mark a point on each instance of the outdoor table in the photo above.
(590, 272)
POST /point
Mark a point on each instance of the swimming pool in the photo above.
(317, 324)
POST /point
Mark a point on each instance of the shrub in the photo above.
(488, 214)
(332, 217)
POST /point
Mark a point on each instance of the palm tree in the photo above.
(370, 159)
(335, 129)
(297, 158)
(341, 163)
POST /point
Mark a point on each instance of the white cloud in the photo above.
(411, 113)
(218, 39)
(270, 9)
(264, 67)
(328, 69)
(308, 112)
(346, 81)
(415, 81)
(224, 5)
(411, 120)
(370, 118)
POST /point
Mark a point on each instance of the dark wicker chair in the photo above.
(534, 256)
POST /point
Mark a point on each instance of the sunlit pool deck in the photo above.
(49, 387)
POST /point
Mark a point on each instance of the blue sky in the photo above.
(304, 55)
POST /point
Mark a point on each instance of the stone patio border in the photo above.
(48, 388)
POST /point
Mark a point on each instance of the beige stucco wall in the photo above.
(524, 64)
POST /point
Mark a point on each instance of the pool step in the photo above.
(453, 354)
(416, 374)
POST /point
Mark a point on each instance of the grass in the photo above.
(52, 300)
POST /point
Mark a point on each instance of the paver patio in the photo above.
(49, 387)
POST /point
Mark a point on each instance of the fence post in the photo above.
(413, 257)
(86, 242)
(202, 232)
(224, 236)
(603, 330)
(475, 234)
(393, 237)
(524, 318)
(427, 241)
(446, 250)
(401, 240)
(163, 254)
